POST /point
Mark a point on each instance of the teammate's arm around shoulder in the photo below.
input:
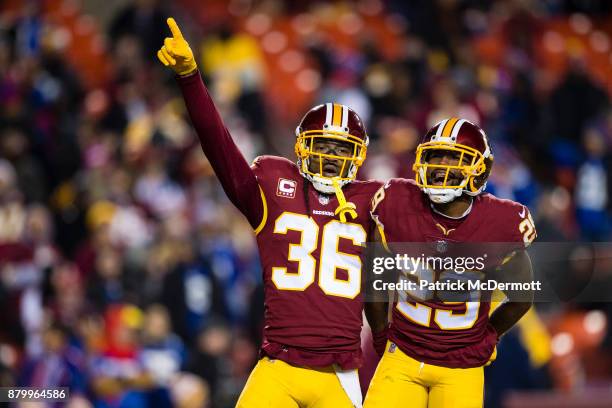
(234, 173)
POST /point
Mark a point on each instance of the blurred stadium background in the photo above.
(126, 275)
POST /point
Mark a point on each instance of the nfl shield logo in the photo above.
(441, 246)
(323, 199)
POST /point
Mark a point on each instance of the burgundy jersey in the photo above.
(312, 267)
(430, 330)
(311, 261)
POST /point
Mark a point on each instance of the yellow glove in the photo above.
(176, 52)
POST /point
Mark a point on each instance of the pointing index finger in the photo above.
(176, 31)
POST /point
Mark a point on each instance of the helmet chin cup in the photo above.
(442, 195)
(323, 185)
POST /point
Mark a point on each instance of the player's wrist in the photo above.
(380, 340)
(190, 70)
(494, 332)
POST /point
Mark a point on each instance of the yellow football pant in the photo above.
(274, 383)
(401, 381)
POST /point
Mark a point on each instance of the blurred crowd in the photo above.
(126, 274)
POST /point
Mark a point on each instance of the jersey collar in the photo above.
(467, 211)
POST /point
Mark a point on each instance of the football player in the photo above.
(437, 348)
(311, 219)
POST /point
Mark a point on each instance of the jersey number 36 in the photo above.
(330, 258)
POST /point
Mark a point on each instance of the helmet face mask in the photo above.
(452, 159)
(469, 164)
(327, 126)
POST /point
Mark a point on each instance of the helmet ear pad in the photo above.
(478, 183)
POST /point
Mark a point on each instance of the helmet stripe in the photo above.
(337, 117)
(328, 114)
(345, 116)
(487, 151)
(448, 127)
(455, 131)
(440, 127)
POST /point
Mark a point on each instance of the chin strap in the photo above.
(344, 207)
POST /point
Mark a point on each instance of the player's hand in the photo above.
(176, 52)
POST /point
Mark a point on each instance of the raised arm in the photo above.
(232, 170)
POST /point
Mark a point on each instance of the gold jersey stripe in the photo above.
(264, 217)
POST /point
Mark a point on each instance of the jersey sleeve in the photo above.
(513, 224)
(233, 171)
(525, 232)
(517, 229)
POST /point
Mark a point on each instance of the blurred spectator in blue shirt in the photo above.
(592, 194)
(59, 364)
(192, 294)
(163, 352)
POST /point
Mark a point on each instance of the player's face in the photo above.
(436, 175)
(331, 167)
